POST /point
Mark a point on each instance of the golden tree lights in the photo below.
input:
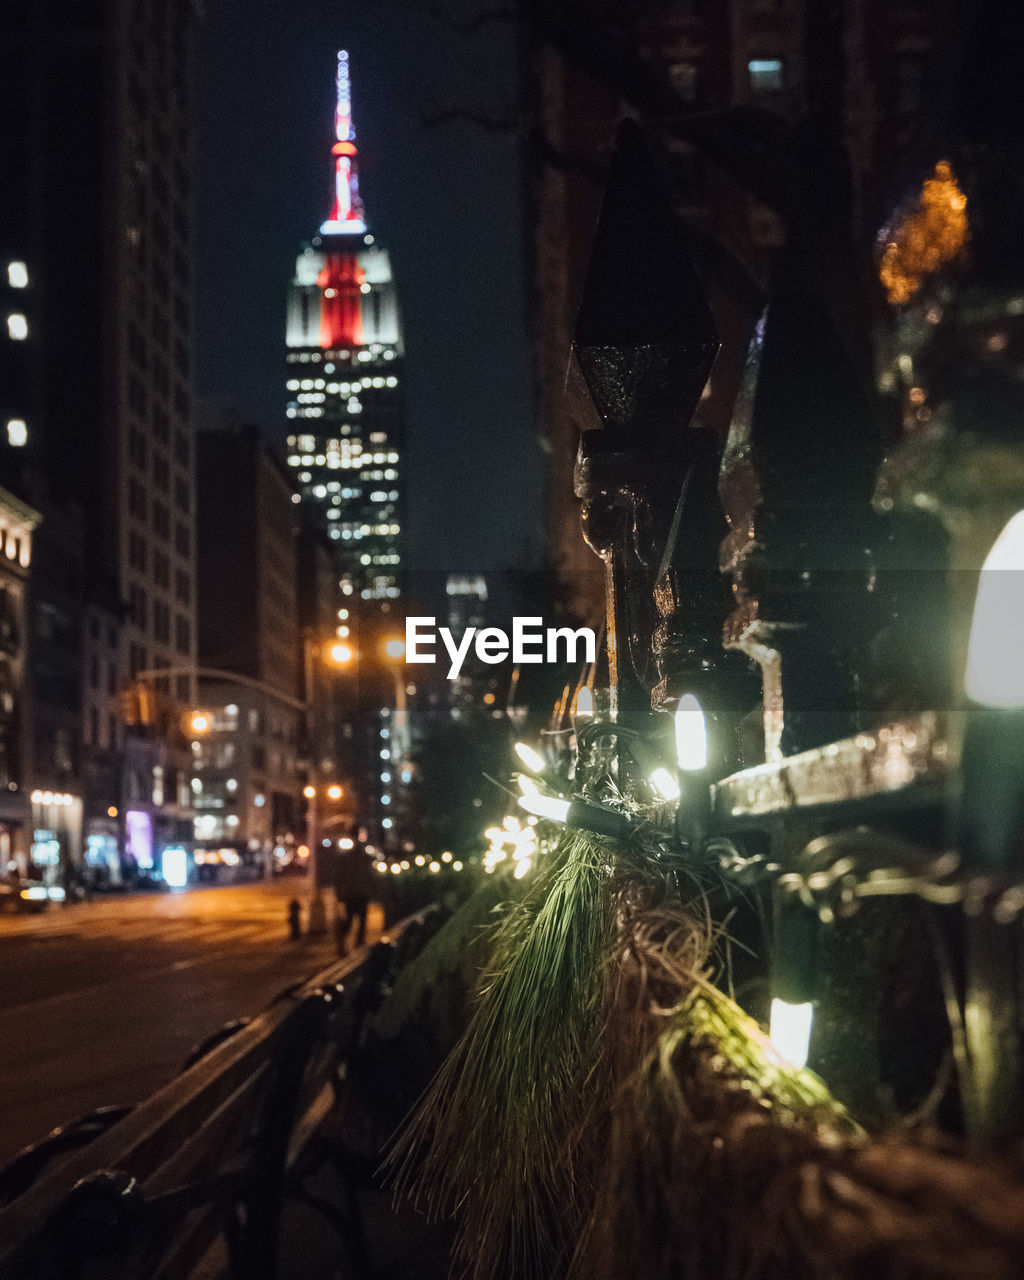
(930, 235)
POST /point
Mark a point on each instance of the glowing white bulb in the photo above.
(527, 785)
(533, 760)
(790, 1031)
(584, 702)
(545, 806)
(691, 735)
(664, 784)
(995, 672)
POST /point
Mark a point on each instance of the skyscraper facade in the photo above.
(97, 434)
(344, 363)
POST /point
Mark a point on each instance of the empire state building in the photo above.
(344, 358)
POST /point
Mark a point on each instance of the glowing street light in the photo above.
(199, 723)
(394, 649)
(334, 793)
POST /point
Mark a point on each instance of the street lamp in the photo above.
(337, 655)
(394, 661)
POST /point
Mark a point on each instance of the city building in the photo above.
(247, 730)
(344, 372)
(466, 595)
(17, 810)
(96, 430)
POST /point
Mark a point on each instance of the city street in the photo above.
(100, 1002)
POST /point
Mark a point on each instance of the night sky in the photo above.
(445, 199)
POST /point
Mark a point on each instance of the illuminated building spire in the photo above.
(347, 214)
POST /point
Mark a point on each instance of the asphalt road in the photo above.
(100, 1002)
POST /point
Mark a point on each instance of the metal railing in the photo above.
(147, 1191)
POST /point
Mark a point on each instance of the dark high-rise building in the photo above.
(97, 429)
(247, 739)
(344, 362)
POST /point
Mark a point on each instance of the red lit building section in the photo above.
(341, 288)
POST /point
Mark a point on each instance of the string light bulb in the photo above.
(995, 672)
(579, 814)
(533, 760)
(790, 1031)
(691, 735)
(665, 784)
(533, 801)
(991, 787)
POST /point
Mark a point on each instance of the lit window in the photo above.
(17, 326)
(17, 275)
(17, 432)
(766, 75)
